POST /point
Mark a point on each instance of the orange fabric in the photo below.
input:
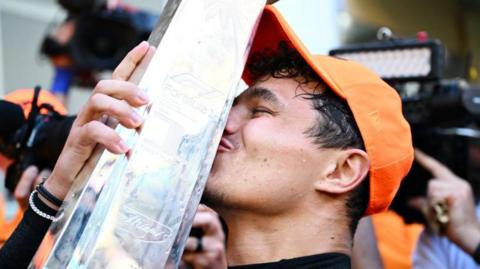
(7, 226)
(24, 98)
(376, 106)
(396, 240)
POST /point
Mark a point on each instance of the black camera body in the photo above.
(38, 141)
(101, 37)
(445, 124)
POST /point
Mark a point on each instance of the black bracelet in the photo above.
(476, 254)
(47, 195)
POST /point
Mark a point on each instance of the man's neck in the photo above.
(253, 239)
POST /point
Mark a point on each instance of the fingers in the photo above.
(197, 260)
(213, 260)
(101, 104)
(24, 186)
(436, 168)
(125, 69)
(29, 179)
(42, 175)
(212, 242)
(448, 191)
(212, 255)
(96, 132)
(122, 90)
(204, 208)
(420, 204)
(209, 223)
(192, 244)
(114, 99)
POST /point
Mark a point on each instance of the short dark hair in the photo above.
(335, 127)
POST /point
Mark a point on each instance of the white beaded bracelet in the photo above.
(39, 212)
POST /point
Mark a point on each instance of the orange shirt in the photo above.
(396, 240)
(7, 226)
(24, 98)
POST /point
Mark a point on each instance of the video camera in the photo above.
(444, 114)
(37, 140)
(101, 37)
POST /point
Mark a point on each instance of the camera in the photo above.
(444, 123)
(101, 37)
(444, 114)
(37, 140)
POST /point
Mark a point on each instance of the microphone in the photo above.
(12, 119)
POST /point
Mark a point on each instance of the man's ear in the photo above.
(350, 168)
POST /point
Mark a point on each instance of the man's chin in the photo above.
(212, 198)
(216, 164)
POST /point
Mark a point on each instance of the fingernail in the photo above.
(33, 170)
(123, 146)
(136, 118)
(143, 96)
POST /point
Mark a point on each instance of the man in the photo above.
(22, 98)
(290, 175)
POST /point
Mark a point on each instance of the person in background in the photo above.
(31, 177)
(365, 252)
(458, 245)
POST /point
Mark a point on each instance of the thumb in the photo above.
(24, 186)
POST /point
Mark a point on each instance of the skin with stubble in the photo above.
(276, 190)
(280, 194)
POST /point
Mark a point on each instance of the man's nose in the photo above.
(234, 120)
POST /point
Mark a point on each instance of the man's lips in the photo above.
(225, 145)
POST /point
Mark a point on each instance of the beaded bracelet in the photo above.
(39, 212)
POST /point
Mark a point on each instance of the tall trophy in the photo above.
(136, 211)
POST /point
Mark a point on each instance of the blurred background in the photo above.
(322, 25)
(429, 52)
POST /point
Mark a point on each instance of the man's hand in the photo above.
(29, 179)
(114, 98)
(212, 253)
(445, 187)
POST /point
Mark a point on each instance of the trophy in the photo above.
(136, 210)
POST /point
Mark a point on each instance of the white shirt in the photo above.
(434, 251)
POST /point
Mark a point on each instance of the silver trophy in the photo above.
(136, 211)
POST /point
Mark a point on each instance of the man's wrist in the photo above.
(48, 203)
(470, 239)
(56, 187)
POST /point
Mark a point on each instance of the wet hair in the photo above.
(335, 126)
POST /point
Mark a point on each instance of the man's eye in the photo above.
(260, 110)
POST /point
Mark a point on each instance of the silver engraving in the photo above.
(136, 211)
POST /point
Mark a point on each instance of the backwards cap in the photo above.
(376, 107)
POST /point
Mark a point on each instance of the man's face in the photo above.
(266, 161)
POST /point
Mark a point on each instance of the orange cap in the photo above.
(24, 97)
(375, 105)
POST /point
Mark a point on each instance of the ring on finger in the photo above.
(199, 247)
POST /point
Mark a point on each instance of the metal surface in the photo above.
(136, 211)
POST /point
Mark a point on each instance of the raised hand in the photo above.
(114, 98)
